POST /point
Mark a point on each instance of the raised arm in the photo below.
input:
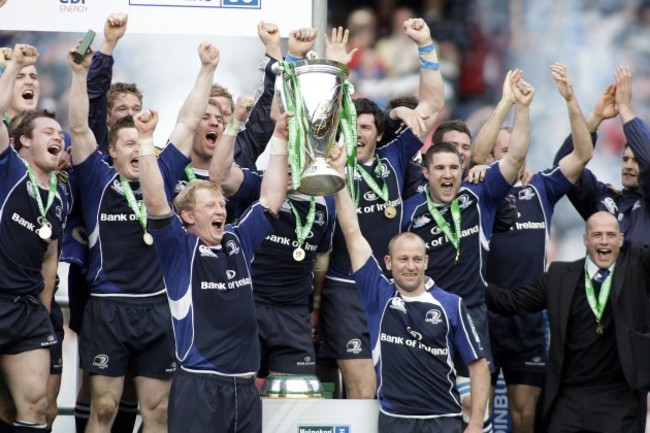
(574, 163)
(100, 75)
(151, 180)
(514, 160)
(270, 36)
(21, 56)
(223, 169)
(487, 135)
(196, 102)
(431, 91)
(83, 139)
(346, 213)
(274, 185)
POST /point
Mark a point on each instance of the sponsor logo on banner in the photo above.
(241, 4)
(324, 429)
(252, 4)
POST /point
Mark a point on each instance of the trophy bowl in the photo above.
(321, 90)
(292, 386)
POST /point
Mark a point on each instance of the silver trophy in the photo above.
(321, 86)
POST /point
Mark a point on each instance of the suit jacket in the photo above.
(629, 300)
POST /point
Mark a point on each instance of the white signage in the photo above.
(184, 17)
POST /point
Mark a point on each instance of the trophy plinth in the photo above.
(291, 386)
(320, 179)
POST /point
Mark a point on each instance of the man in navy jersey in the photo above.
(378, 185)
(414, 334)
(455, 219)
(206, 265)
(129, 295)
(32, 216)
(283, 263)
(518, 257)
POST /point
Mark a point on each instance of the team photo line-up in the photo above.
(192, 273)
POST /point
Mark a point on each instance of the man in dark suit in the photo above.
(599, 317)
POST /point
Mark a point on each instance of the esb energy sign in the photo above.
(324, 429)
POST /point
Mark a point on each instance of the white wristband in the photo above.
(278, 146)
(233, 127)
(146, 146)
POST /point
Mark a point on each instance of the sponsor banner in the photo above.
(184, 17)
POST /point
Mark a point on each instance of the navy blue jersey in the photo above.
(211, 295)
(413, 342)
(518, 256)
(120, 263)
(376, 228)
(478, 204)
(278, 278)
(631, 207)
(21, 249)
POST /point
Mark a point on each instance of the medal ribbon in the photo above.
(348, 128)
(37, 195)
(453, 238)
(190, 173)
(598, 305)
(139, 210)
(302, 231)
(381, 192)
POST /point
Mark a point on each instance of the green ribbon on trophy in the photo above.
(295, 105)
(348, 127)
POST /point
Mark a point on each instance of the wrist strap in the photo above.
(146, 146)
(233, 126)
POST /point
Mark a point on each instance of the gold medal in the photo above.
(147, 238)
(45, 232)
(299, 254)
(600, 329)
(390, 212)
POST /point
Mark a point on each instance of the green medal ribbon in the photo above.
(374, 186)
(139, 210)
(453, 238)
(189, 172)
(37, 195)
(598, 305)
(348, 127)
(297, 126)
(302, 231)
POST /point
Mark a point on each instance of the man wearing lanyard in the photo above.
(377, 192)
(207, 266)
(455, 220)
(33, 211)
(599, 319)
(129, 294)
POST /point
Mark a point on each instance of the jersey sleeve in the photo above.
(555, 185)
(172, 165)
(253, 227)
(174, 251)
(326, 242)
(466, 339)
(375, 290)
(638, 136)
(401, 150)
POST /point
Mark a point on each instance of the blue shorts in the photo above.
(343, 322)
(56, 350)
(25, 325)
(210, 403)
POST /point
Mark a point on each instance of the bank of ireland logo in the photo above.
(354, 346)
(370, 196)
(101, 361)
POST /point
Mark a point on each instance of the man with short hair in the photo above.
(415, 333)
(33, 211)
(599, 319)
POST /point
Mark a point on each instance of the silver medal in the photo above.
(299, 254)
(45, 232)
(147, 238)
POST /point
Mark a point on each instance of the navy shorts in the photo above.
(210, 403)
(343, 323)
(25, 325)
(285, 339)
(123, 336)
(478, 313)
(393, 424)
(56, 350)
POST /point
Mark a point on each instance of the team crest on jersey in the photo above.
(58, 211)
(206, 251)
(232, 247)
(30, 189)
(421, 221)
(610, 204)
(319, 218)
(385, 172)
(180, 186)
(286, 206)
(353, 346)
(433, 316)
(637, 205)
(230, 274)
(398, 304)
(464, 201)
(526, 194)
